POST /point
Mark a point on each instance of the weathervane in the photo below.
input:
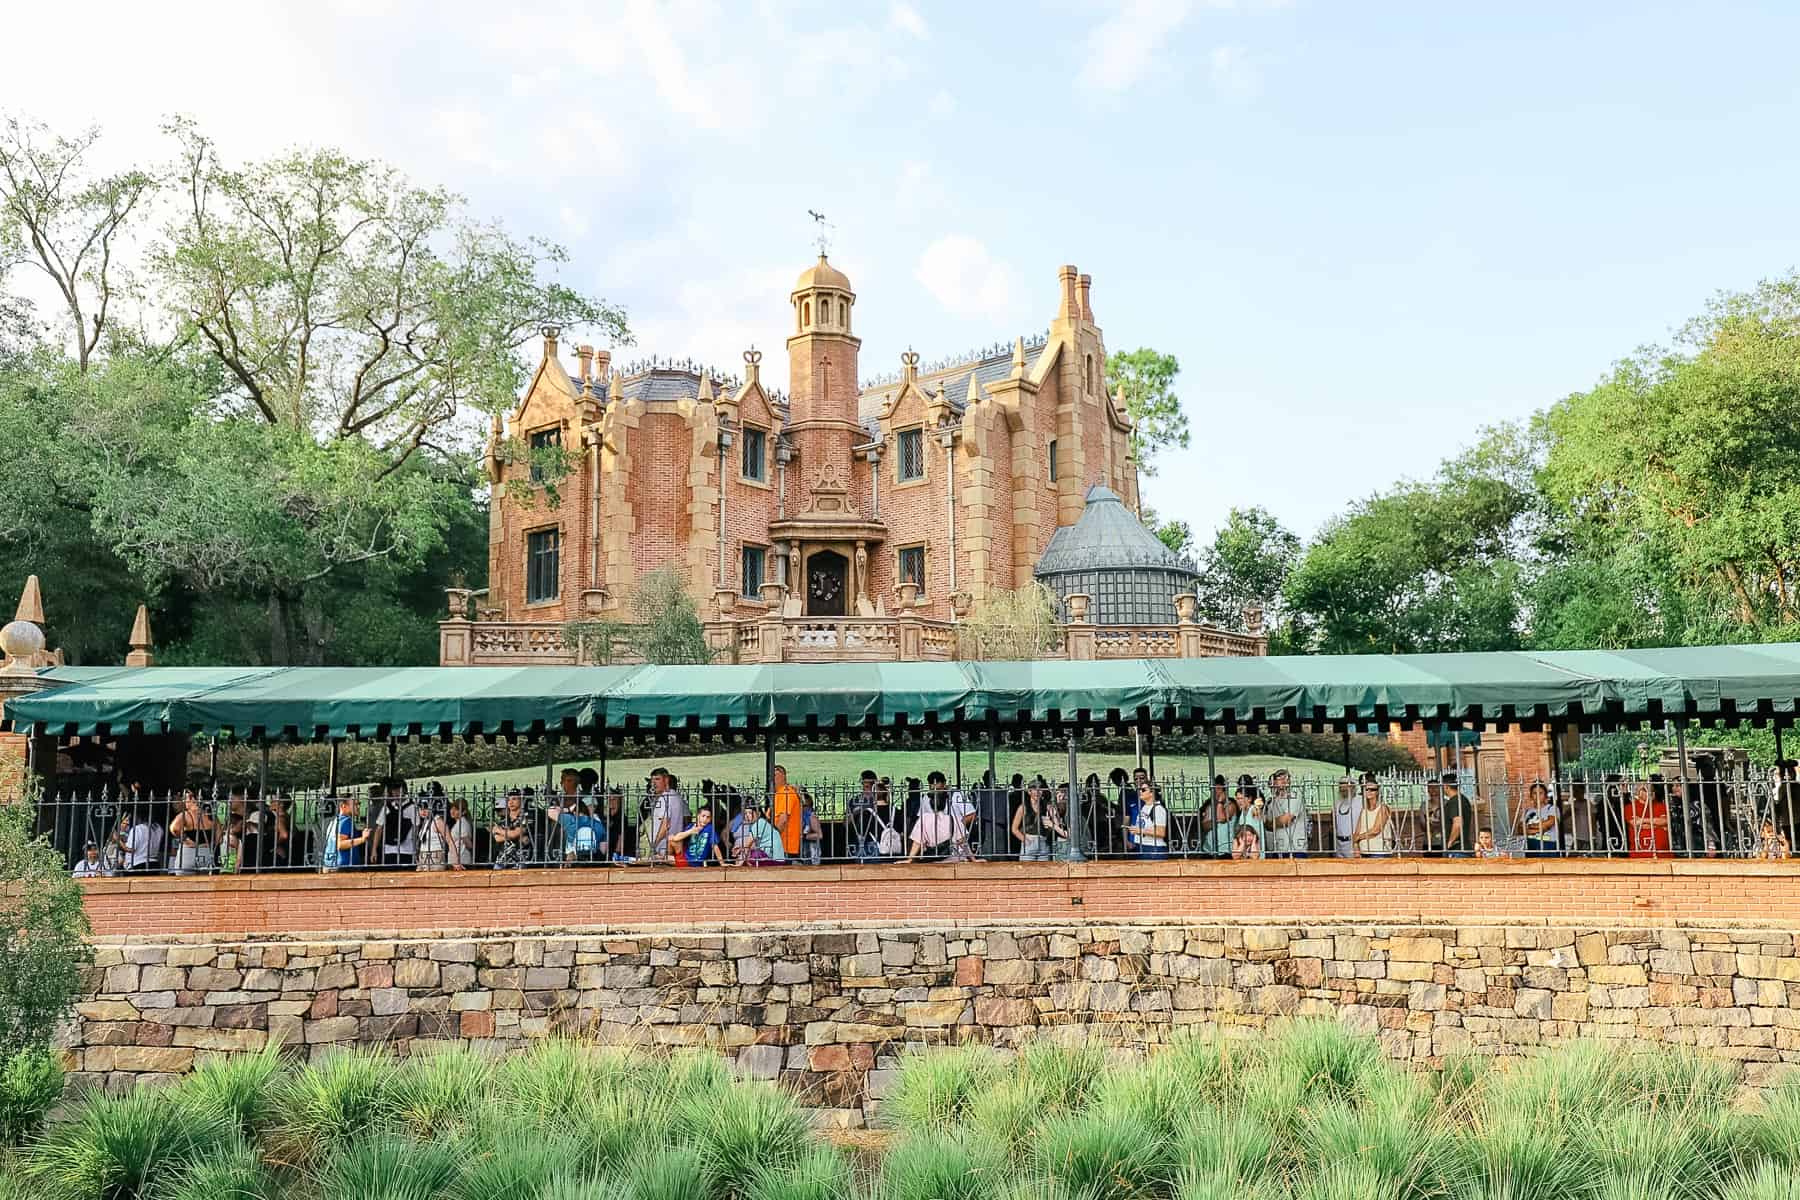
(824, 231)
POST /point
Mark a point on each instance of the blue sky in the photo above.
(1365, 229)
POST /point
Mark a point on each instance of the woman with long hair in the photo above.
(1028, 826)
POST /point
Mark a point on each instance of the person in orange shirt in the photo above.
(784, 813)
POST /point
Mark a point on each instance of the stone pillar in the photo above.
(1078, 636)
(911, 636)
(1187, 628)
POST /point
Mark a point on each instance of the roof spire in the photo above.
(974, 390)
(31, 602)
(1018, 363)
(140, 655)
(706, 387)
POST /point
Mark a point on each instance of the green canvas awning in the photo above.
(1758, 682)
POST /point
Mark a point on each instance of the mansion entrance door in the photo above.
(827, 578)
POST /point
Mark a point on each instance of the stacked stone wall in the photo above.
(827, 1012)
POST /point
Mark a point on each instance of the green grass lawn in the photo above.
(824, 767)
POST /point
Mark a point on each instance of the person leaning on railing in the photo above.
(1284, 819)
(343, 843)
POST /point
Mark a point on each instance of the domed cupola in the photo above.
(1107, 554)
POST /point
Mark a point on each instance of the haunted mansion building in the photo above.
(849, 518)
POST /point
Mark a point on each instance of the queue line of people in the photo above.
(394, 826)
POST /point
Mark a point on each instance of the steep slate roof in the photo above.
(1108, 535)
(955, 378)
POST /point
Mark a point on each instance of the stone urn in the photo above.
(1185, 605)
(908, 593)
(771, 594)
(724, 601)
(1078, 607)
(961, 603)
(593, 601)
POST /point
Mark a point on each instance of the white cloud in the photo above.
(942, 103)
(967, 280)
(906, 18)
(1121, 49)
(1234, 76)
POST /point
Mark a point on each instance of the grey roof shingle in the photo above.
(1108, 535)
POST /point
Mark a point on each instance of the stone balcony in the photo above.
(463, 642)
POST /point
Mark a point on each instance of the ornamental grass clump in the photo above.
(387, 1167)
(241, 1087)
(122, 1147)
(341, 1097)
(237, 1174)
(737, 1132)
(935, 1089)
(822, 1173)
(443, 1092)
(936, 1166)
(1101, 1156)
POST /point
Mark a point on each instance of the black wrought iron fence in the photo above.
(111, 831)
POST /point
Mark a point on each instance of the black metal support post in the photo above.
(1346, 750)
(549, 765)
(768, 765)
(331, 769)
(993, 752)
(1680, 803)
(1150, 749)
(393, 758)
(956, 745)
(262, 774)
(1212, 772)
(1077, 819)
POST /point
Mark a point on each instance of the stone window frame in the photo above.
(768, 447)
(528, 534)
(745, 592)
(1050, 455)
(924, 475)
(900, 553)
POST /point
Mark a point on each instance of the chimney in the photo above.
(602, 364)
(586, 356)
(753, 365)
(1070, 308)
(1081, 288)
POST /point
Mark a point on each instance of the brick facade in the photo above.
(656, 451)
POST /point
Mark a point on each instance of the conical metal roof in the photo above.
(1107, 536)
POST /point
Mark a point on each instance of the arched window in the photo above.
(806, 312)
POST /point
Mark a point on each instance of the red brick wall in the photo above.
(662, 450)
(914, 513)
(1406, 892)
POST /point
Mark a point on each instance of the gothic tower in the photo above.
(822, 385)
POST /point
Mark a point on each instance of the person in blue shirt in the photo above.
(344, 845)
(699, 842)
(584, 833)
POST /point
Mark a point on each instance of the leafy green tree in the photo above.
(1148, 379)
(1695, 448)
(43, 934)
(67, 223)
(1426, 567)
(1247, 564)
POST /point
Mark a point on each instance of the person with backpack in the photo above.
(583, 833)
(1152, 826)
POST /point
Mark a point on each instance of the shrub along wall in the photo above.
(827, 1011)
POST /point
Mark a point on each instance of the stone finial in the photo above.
(1185, 606)
(753, 365)
(1253, 619)
(1078, 607)
(23, 644)
(551, 334)
(31, 602)
(615, 389)
(140, 655)
(909, 365)
(1018, 362)
(973, 397)
(961, 603)
(706, 387)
